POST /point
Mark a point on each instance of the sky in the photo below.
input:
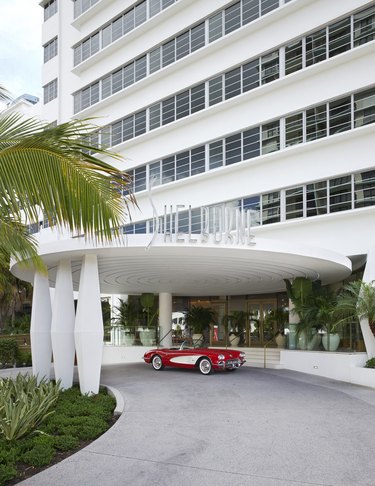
(21, 54)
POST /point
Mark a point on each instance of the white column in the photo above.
(368, 277)
(40, 328)
(165, 318)
(88, 331)
(62, 328)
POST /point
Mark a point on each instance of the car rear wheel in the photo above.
(205, 366)
(157, 363)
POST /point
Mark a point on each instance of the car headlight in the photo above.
(242, 355)
(221, 357)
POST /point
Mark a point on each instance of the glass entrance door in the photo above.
(261, 329)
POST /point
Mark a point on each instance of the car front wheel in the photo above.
(205, 366)
(157, 363)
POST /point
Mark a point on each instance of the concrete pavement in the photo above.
(253, 427)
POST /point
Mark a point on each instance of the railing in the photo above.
(265, 352)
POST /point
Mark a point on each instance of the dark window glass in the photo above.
(293, 129)
(197, 98)
(95, 44)
(140, 68)
(270, 137)
(128, 128)
(140, 179)
(340, 194)
(316, 47)
(271, 208)
(364, 26)
(86, 49)
(364, 108)
(183, 104)
(250, 75)
(85, 98)
(140, 228)
(154, 7)
(77, 55)
(116, 81)
(364, 189)
(216, 154)
(339, 115)
(233, 149)
(116, 133)
(252, 204)
(293, 57)
(215, 90)
(77, 102)
(106, 87)
(167, 170)
(140, 13)
(168, 111)
(94, 93)
(169, 53)
(233, 83)
(215, 27)
(129, 21)
(198, 160)
(154, 174)
(129, 75)
(316, 123)
(339, 37)
(140, 123)
(250, 10)
(197, 37)
(182, 165)
(155, 59)
(316, 198)
(294, 203)
(167, 3)
(183, 45)
(154, 116)
(116, 29)
(251, 143)
(270, 67)
(268, 5)
(107, 35)
(233, 17)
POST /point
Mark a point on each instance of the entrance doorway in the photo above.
(261, 328)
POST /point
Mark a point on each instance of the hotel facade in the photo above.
(247, 128)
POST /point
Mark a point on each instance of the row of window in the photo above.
(324, 120)
(122, 25)
(342, 193)
(304, 52)
(50, 49)
(80, 6)
(50, 91)
(50, 8)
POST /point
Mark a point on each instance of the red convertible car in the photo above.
(204, 359)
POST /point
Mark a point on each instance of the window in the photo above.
(169, 53)
(364, 26)
(364, 108)
(154, 174)
(232, 16)
(140, 123)
(197, 98)
(316, 123)
(155, 60)
(233, 149)
(340, 194)
(140, 179)
(364, 189)
(154, 7)
(216, 154)
(270, 137)
(80, 6)
(250, 75)
(316, 47)
(183, 45)
(140, 13)
(339, 37)
(251, 143)
(250, 11)
(294, 203)
(182, 165)
(268, 5)
(168, 111)
(197, 37)
(50, 91)
(117, 31)
(293, 129)
(154, 116)
(50, 8)
(339, 115)
(50, 49)
(215, 27)
(116, 81)
(128, 128)
(183, 104)
(252, 204)
(316, 198)
(293, 57)
(232, 83)
(215, 90)
(270, 67)
(140, 68)
(167, 169)
(129, 74)
(271, 208)
(198, 156)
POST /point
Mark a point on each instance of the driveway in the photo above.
(252, 427)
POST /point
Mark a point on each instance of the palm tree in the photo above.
(51, 168)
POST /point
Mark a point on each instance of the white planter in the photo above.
(234, 340)
(280, 341)
(197, 339)
(334, 341)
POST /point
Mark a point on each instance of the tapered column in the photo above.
(165, 319)
(40, 329)
(62, 328)
(88, 331)
(368, 277)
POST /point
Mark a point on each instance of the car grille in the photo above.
(233, 363)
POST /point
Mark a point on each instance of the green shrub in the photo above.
(85, 428)
(40, 455)
(7, 471)
(8, 351)
(23, 358)
(65, 442)
(24, 405)
(370, 363)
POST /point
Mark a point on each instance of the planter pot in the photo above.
(234, 340)
(302, 340)
(197, 339)
(292, 336)
(314, 342)
(334, 341)
(280, 341)
(147, 337)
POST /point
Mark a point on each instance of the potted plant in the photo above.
(199, 319)
(235, 325)
(324, 313)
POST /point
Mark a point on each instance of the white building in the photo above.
(248, 128)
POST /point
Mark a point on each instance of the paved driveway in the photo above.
(252, 427)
